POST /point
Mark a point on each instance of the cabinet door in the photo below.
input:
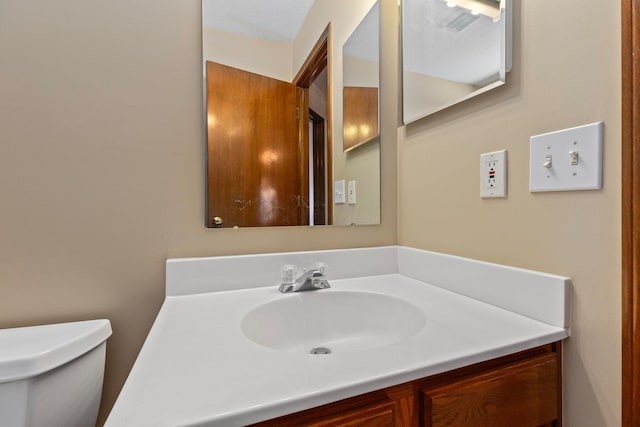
(374, 416)
(371, 415)
(523, 394)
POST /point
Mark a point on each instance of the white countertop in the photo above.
(198, 369)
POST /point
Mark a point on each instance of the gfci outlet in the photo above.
(493, 174)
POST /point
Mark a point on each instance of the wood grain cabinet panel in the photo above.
(375, 416)
(381, 414)
(518, 390)
(523, 394)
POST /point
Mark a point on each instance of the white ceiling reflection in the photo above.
(441, 41)
(278, 20)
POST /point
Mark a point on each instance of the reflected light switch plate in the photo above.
(338, 192)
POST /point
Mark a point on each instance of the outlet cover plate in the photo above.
(493, 174)
(351, 192)
(564, 172)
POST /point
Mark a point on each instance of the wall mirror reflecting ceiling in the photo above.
(272, 104)
(452, 50)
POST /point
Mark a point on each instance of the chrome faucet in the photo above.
(310, 279)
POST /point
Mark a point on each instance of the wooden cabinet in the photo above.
(522, 389)
(520, 394)
(382, 415)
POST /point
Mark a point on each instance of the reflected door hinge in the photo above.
(297, 113)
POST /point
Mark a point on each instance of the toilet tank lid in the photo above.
(32, 350)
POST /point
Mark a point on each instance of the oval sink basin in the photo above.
(340, 321)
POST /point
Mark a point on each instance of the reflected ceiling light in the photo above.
(268, 157)
(490, 8)
(351, 131)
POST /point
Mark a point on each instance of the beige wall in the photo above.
(361, 166)
(566, 73)
(101, 166)
(360, 72)
(258, 55)
(423, 94)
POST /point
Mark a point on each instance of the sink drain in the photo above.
(320, 350)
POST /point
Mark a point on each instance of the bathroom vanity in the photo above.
(403, 337)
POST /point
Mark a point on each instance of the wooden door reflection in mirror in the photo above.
(268, 161)
(253, 158)
(360, 112)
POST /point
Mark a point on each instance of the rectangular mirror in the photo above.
(273, 154)
(361, 81)
(452, 50)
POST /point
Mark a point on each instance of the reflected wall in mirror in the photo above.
(269, 83)
(360, 80)
(452, 50)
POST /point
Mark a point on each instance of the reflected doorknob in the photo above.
(217, 221)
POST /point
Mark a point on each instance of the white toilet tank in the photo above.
(51, 375)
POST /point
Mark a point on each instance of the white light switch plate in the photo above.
(338, 192)
(566, 160)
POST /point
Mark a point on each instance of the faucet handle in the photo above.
(322, 267)
(288, 274)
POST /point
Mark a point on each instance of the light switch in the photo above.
(351, 192)
(566, 160)
(338, 192)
